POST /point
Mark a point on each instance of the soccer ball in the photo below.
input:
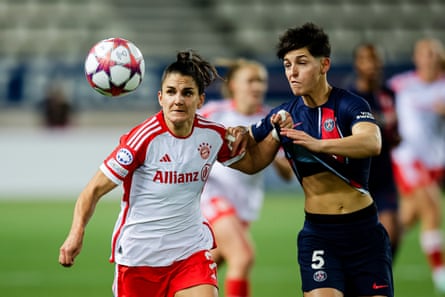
(114, 67)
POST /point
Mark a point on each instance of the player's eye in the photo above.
(188, 93)
(170, 91)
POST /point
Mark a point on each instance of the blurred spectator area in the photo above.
(46, 41)
(216, 27)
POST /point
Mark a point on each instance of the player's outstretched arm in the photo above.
(256, 155)
(98, 186)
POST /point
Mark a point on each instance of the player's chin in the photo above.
(179, 115)
(297, 89)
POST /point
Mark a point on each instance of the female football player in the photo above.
(343, 249)
(419, 160)
(161, 241)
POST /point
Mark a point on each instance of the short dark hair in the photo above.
(189, 63)
(309, 35)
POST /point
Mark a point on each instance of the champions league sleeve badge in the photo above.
(124, 156)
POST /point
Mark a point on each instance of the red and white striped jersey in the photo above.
(421, 127)
(244, 192)
(163, 176)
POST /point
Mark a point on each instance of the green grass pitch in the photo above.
(33, 230)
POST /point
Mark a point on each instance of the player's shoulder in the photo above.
(402, 80)
(341, 93)
(216, 106)
(204, 122)
(343, 97)
(148, 129)
(350, 105)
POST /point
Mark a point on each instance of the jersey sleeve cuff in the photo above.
(234, 159)
(108, 173)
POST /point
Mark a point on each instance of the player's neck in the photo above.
(429, 75)
(180, 130)
(318, 97)
(366, 84)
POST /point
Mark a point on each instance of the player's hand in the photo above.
(282, 118)
(69, 250)
(279, 120)
(238, 138)
(302, 138)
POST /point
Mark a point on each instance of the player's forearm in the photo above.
(88, 199)
(356, 146)
(83, 211)
(258, 155)
(365, 141)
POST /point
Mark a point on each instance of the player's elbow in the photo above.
(375, 152)
(375, 146)
(245, 167)
(248, 165)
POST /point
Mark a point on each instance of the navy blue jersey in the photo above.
(334, 119)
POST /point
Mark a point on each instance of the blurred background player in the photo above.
(368, 82)
(419, 160)
(55, 108)
(231, 200)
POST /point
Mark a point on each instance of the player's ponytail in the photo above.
(192, 64)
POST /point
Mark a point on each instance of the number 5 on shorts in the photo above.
(317, 259)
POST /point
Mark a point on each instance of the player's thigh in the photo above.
(323, 292)
(198, 291)
(390, 220)
(409, 213)
(232, 237)
(429, 207)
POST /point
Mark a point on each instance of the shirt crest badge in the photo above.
(329, 125)
(204, 150)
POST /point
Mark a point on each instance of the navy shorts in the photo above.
(350, 253)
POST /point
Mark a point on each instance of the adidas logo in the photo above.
(165, 158)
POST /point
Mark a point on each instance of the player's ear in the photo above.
(160, 97)
(325, 64)
(202, 98)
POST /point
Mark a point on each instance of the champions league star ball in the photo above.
(114, 67)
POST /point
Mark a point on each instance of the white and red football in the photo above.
(114, 67)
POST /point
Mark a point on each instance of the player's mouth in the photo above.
(178, 111)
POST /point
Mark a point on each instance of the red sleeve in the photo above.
(131, 151)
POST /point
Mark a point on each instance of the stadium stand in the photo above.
(48, 39)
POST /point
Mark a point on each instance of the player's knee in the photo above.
(244, 259)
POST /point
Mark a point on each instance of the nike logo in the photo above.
(376, 287)
(297, 124)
